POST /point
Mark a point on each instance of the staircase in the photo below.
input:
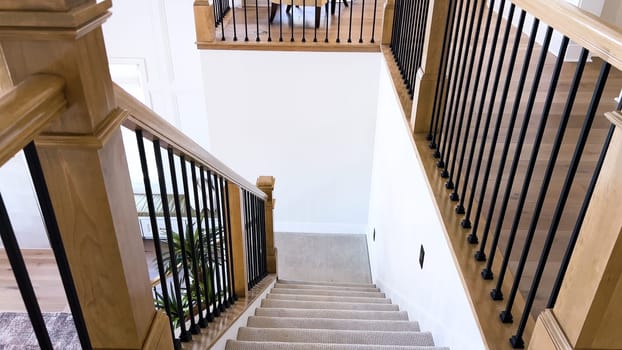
(329, 316)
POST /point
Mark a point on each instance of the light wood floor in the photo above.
(45, 279)
(337, 33)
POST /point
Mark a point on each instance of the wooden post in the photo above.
(204, 22)
(85, 168)
(266, 184)
(387, 25)
(238, 240)
(588, 310)
(425, 84)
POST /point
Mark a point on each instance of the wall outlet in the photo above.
(421, 256)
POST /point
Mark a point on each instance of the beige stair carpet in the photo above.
(301, 315)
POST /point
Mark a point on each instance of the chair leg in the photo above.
(333, 3)
(288, 8)
(345, 3)
(318, 13)
(273, 9)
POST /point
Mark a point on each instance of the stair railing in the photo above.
(68, 117)
(522, 153)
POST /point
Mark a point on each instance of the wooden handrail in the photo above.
(26, 110)
(143, 118)
(586, 29)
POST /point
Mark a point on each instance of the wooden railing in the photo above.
(480, 85)
(64, 101)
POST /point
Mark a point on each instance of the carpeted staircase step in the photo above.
(247, 345)
(335, 336)
(339, 284)
(343, 299)
(325, 287)
(339, 314)
(333, 292)
(293, 304)
(328, 323)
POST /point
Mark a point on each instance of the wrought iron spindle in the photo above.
(155, 233)
(292, 22)
(225, 241)
(373, 24)
(185, 335)
(235, 29)
(221, 235)
(496, 293)
(210, 231)
(338, 22)
(454, 194)
(203, 239)
(230, 244)
(245, 21)
(56, 243)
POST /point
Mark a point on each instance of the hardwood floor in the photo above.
(332, 35)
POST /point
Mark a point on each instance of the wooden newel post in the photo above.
(266, 184)
(204, 22)
(427, 74)
(238, 240)
(85, 168)
(588, 311)
(387, 25)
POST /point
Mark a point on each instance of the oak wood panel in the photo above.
(143, 118)
(75, 17)
(26, 110)
(238, 240)
(50, 5)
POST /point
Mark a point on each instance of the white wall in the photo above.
(305, 118)
(403, 214)
(21, 202)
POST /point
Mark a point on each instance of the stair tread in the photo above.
(326, 287)
(251, 345)
(334, 298)
(335, 336)
(331, 323)
(340, 284)
(284, 290)
(340, 314)
(326, 305)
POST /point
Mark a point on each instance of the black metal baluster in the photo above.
(350, 26)
(373, 24)
(216, 13)
(304, 10)
(292, 22)
(466, 223)
(257, 20)
(419, 24)
(22, 278)
(315, 24)
(453, 61)
(155, 233)
(577, 228)
(253, 241)
(203, 240)
(450, 184)
(338, 22)
(404, 44)
(245, 22)
(193, 249)
(230, 244)
(409, 48)
(221, 244)
(394, 29)
(260, 239)
(193, 258)
(264, 241)
(222, 21)
(249, 250)
(362, 16)
(56, 243)
(546, 181)
(455, 100)
(185, 335)
(326, 27)
(235, 29)
(269, 8)
(210, 233)
(563, 197)
(226, 237)
(280, 20)
(478, 73)
(257, 239)
(440, 80)
(496, 293)
(480, 255)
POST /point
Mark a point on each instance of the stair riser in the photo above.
(273, 303)
(335, 337)
(295, 297)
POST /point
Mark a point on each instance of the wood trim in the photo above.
(288, 46)
(587, 30)
(27, 109)
(266, 184)
(143, 118)
(615, 117)
(74, 18)
(96, 140)
(49, 5)
(158, 337)
(555, 332)
(6, 82)
(35, 33)
(387, 22)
